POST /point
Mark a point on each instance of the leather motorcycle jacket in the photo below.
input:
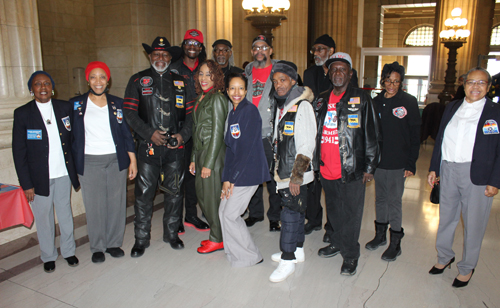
(157, 102)
(358, 132)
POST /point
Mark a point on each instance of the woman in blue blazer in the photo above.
(103, 149)
(467, 157)
(41, 148)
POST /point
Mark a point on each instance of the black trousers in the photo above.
(188, 187)
(292, 219)
(344, 207)
(256, 205)
(171, 164)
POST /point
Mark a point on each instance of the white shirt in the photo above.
(57, 164)
(98, 138)
(460, 133)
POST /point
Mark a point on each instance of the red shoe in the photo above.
(210, 247)
(203, 243)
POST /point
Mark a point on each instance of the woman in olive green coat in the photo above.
(207, 160)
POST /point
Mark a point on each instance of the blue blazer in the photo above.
(120, 131)
(30, 145)
(245, 163)
(485, 165)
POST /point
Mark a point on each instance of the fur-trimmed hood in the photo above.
(298, 94)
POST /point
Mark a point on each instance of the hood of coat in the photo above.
(298, 94)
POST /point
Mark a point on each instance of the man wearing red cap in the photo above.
(193, 53)
(157, 108)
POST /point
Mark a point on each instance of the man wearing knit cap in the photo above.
(157, 108)
(223, 55)
(347, 153)
(293, 143)
(193, 53)
(258, 92)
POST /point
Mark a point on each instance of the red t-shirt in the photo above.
(259, 78)
(330, 154)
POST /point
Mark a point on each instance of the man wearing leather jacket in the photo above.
(347, 153)
(155, 107)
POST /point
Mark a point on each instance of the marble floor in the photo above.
(164, 277)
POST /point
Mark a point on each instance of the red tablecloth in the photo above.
(14, 207)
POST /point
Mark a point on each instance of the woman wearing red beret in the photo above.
(103, 149)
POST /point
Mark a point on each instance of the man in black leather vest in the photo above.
(155, 107)
(293, 143)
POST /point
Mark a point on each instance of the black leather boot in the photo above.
(380, 238)
(394, 249)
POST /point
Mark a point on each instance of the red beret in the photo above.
(97, 64)
(194, 34)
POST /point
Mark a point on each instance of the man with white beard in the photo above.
(315, 77)
(223, 54)
(157, 108)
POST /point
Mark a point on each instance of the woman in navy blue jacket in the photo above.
(103, 149)
(41, 148)
(245, 169)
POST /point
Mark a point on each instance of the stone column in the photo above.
(479, 14)
(20, 54)
(290, 39)
(340, 19)
(214, 18)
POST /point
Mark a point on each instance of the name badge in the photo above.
(147, 91)
(77, 105)
(235, 131)
(119, 116)
(352, 121)
(179, 101)
(288, 131)
(66, 123)
(34, 134)
(490, 127)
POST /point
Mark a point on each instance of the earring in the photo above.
(52, 92)
(32, 94)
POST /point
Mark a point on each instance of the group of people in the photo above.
(206, 132)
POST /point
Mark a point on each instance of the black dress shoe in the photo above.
(49, 267)
(326, 238)
(349, 267)
(436, 271)
(98, 257)
(197, 223)
(250, 221)
(115, 252)
(309, 228)
(72, 261)
(328, 251)
(175, 242)
(274, 226)
(181, 229)
(460, 284)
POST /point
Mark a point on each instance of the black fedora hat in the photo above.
(161, 43)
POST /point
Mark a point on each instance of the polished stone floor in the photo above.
(167, 278)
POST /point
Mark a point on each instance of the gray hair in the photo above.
(481, 70)
(230, 61)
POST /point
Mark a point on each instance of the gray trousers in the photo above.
(104, 192)
(459, 196)
(239, 247)
(389, 188)
(43, 210)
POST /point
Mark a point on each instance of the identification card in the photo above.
(34, 134)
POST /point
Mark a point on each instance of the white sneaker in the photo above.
(285, 269)
(299, 255)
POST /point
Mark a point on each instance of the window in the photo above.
(495, 36)
(421, 36)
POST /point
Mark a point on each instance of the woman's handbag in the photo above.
(435, 192)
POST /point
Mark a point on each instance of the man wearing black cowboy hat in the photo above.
(155, 107)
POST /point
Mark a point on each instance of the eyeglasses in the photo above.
(319, 49)
(223, 50)
(472, 83)
(263, 48)
(394, 82)
(192, 43)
